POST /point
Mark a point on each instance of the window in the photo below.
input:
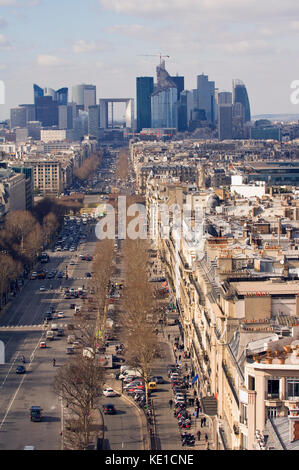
(251, 382)
(273, 388)
(293, 388)
(243, 414)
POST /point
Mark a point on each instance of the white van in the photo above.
(127, 372)
(50, 335)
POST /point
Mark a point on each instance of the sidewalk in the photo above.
(167, 428)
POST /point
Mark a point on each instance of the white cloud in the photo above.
(7, 3)
(5, 45)
(214, 9)
(47, 60)
(82, 46)
(3, 22)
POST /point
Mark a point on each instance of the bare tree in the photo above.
(140, 313)
(102, 269)
(79, 383)
(9, 271)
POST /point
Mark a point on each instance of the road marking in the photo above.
(21, 383)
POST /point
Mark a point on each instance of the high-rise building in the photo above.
(30, 111)
(238, 121)
(225, 123)
(164, 101)
(38, 92)
(94, 121)
(62, 116)
(84, 95)
(225, 97)
(240, 96)
(180, 83)
(50, 92)
(18, 117)
(47, 111)
(62, 96)
(206, 97)
(144, 89)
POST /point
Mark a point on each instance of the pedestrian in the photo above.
(188, 377)
(195, 413)
(168, 337)
(201, 422)
(207, 445)
(198, 435)
(170, 403)
(197, 402)
(194, 393)
(180, 357)
(204, 421)
(206, 437)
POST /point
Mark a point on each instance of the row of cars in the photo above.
(72, 235)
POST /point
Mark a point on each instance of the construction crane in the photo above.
(154, 55)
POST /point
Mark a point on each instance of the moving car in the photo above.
(42, 288)
(35, 413)
(43, 344)
(60, 315)
(20, 370)
(109, 409)
(109, 392)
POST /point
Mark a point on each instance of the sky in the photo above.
(108, 43)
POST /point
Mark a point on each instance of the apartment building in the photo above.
(234, 276)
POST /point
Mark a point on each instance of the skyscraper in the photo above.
(62, 96)
(180, 83)
(164, 101)
(225, 97)
(47, 111)
(84, 95)
(225, 121)
(144, 89)
(206, 96)
(94, 121)
(18, 117)
(240, 96)
(30, 111)
(37, 92)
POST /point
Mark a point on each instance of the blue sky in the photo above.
(62, 43)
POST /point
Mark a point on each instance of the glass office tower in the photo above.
(164, 108)
(144, 89)
(240, 96)
(62, 96)
(164, 101)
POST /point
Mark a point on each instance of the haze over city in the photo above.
(103, 42)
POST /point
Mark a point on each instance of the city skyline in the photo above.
(106, 44)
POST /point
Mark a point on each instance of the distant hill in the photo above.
(277, 117)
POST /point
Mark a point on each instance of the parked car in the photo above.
(42, 288)
(158, 379)
(42, 344)
(60, 315)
